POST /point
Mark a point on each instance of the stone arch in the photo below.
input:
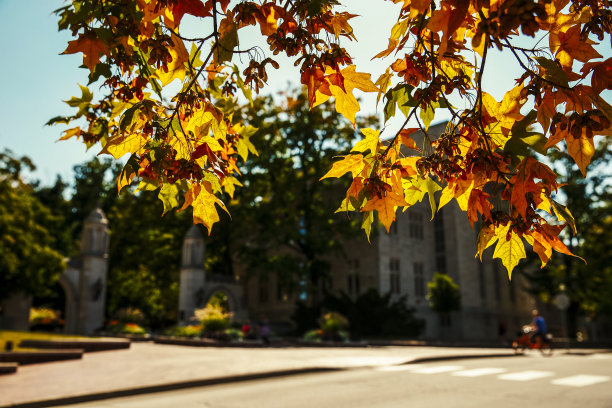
(233, 304)
(70, 309)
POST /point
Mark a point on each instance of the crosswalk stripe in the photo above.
(581, 380)
(437, 369)
(601, 356)
(525, 375)
(403, 367)
(477, 372)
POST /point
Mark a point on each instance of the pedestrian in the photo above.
(264, 331)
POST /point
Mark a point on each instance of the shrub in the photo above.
(42, 318)
(114, 326)
(185, 331)
(130, 315)
(213, 318)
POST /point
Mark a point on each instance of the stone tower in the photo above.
(85, 278)
(192, 275)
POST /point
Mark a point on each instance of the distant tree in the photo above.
(589, 286)
(444, 296)
(370, 315)
(284, 222)
(29, 262)
(144, 257)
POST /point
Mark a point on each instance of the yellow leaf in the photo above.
(168, 194)
(229, 184)
(486, 238)
(371, 141)
(353, 163)
(203, 203)
(511, 250)
(581, 149)
(120, 145)
(176, 67)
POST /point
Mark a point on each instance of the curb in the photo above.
(168, 387)
(457, 357)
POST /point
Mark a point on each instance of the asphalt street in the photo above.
(558, 381)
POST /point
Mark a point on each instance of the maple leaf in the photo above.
(168, 194)
(371, 142)
(182, 7)
(176, 68)
(120, 145)
(203, 202)
(581, 149)
(509, 248)
(346, 103)
(571, 44)
(386, 206)
(352, 162)
(91, 47)
(503, 114)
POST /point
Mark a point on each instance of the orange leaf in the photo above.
(571, 43)
(386, 207)
(407, 140)
(91, 47)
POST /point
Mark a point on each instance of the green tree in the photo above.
(284, 221)
(444, 297)
(144, 257)
(588, 285)
(29, 262)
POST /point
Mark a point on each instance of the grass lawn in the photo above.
(17, 336)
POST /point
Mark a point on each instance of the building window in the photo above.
(415, 225)
(440, 243)
(394, 276)
(263, 289)
(393, 229)
(419, 280)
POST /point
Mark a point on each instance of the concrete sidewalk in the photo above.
(148, 367)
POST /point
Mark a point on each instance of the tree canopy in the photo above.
(29, 259)
(169, 101)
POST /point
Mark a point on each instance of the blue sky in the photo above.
(36, 78)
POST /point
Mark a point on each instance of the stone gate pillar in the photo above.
(89, 278)
(192, 275)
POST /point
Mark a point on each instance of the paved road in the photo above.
(559, 381)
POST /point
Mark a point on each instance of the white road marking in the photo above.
(477, 372)
(601, 356)
(581, 380)
(437, 369)
(403, 367)
(525, 375)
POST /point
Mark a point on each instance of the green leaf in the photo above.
(400, 96)
(553, 71)
(366, 224)
(168, 194)
(563, 213)
(522, 141)
(427, 115)
(431, 187)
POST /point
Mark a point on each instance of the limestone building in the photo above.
(404, 261)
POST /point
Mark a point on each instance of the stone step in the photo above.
(86, 345)
(8, 368)
(39, 356)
